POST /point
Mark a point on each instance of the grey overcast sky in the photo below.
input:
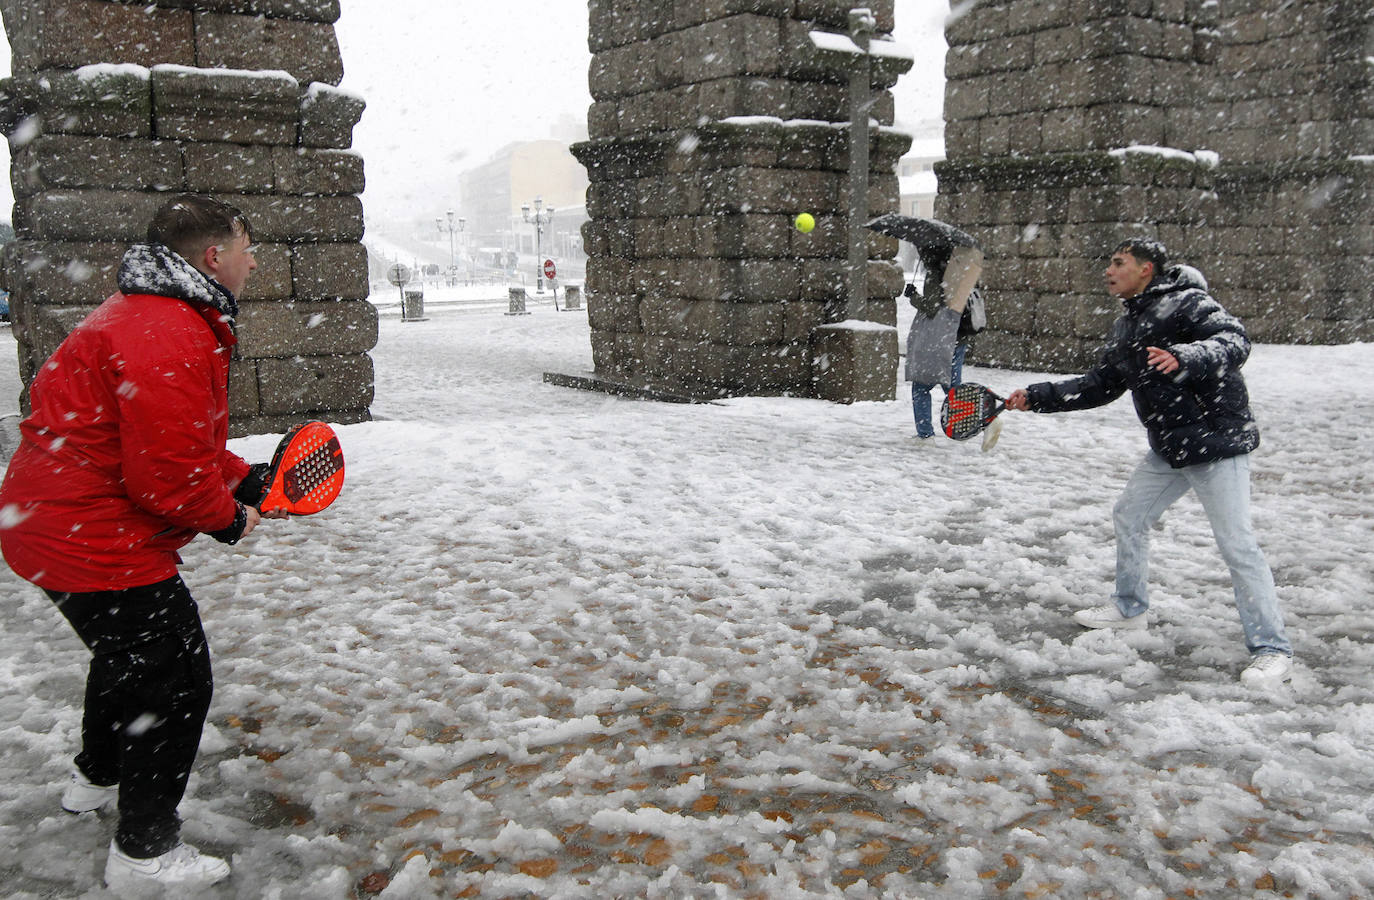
(449, 83)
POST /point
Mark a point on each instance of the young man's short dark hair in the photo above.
(1146, 250)
(191, 222)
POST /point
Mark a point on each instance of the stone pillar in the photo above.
(1291, 108)
(114, 106)
(1229, 130)
(713, 126)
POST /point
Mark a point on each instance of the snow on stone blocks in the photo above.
(117, 105)
(853, 361)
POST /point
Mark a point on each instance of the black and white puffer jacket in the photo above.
(1199, 413)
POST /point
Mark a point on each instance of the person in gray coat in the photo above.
(936, 345)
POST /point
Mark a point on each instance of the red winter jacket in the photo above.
(123, 458)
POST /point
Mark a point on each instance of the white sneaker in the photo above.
(82, 797)
(991, 434)
(1108, 616)
(183, 867)
(1267, 670)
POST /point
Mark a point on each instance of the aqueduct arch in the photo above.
(112, 105)
(1241, 132)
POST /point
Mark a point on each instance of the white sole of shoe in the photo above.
(81, 810)
(1266, 684)
(1135, 623)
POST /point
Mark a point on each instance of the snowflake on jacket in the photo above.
(1198, 414)
(124, 458)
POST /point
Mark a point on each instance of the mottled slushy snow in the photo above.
(554, 643)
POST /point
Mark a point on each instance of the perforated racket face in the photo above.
(309, 473)
(967, 409)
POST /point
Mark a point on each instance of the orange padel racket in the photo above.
(307, 471)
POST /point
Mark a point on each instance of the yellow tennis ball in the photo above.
(804, 222)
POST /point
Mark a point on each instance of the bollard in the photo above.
(413, 306)
(517, 302)
(572, 297)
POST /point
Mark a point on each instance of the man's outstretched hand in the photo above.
(1018, 400)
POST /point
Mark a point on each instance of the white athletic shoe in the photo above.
(1267, 670)
(991, 434)
(1108, 616)
(82, 797)
(183, 868)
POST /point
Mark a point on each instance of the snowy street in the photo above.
(558, 644)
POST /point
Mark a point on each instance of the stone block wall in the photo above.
(1240, 132)
(698, 163)
(113, 107)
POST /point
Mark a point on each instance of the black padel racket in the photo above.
(968, 409)
(307, 471)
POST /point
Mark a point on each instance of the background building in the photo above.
(495, 193)
(476, 224)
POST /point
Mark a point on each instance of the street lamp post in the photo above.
(538, 220)
(861, 27)
(455, 225)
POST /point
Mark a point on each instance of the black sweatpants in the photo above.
(147, 693)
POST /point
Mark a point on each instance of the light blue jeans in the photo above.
(1223, 487)
(920, 393)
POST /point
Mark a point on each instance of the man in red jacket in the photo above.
(121, 463)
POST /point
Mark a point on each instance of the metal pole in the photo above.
(538, 253)
(861, 26)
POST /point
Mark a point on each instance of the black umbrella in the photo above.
(930, 236)
(935, 242)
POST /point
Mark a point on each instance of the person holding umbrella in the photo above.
(949, 309)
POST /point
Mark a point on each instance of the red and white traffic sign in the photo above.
(550, 270)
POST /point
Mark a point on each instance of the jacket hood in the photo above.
(1173, 280)
(157, 269)
(1186, 276)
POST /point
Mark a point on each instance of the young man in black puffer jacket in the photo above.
(1179, 353)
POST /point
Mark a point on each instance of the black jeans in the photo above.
(147, 693)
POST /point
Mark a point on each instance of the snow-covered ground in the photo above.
(556, 644)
